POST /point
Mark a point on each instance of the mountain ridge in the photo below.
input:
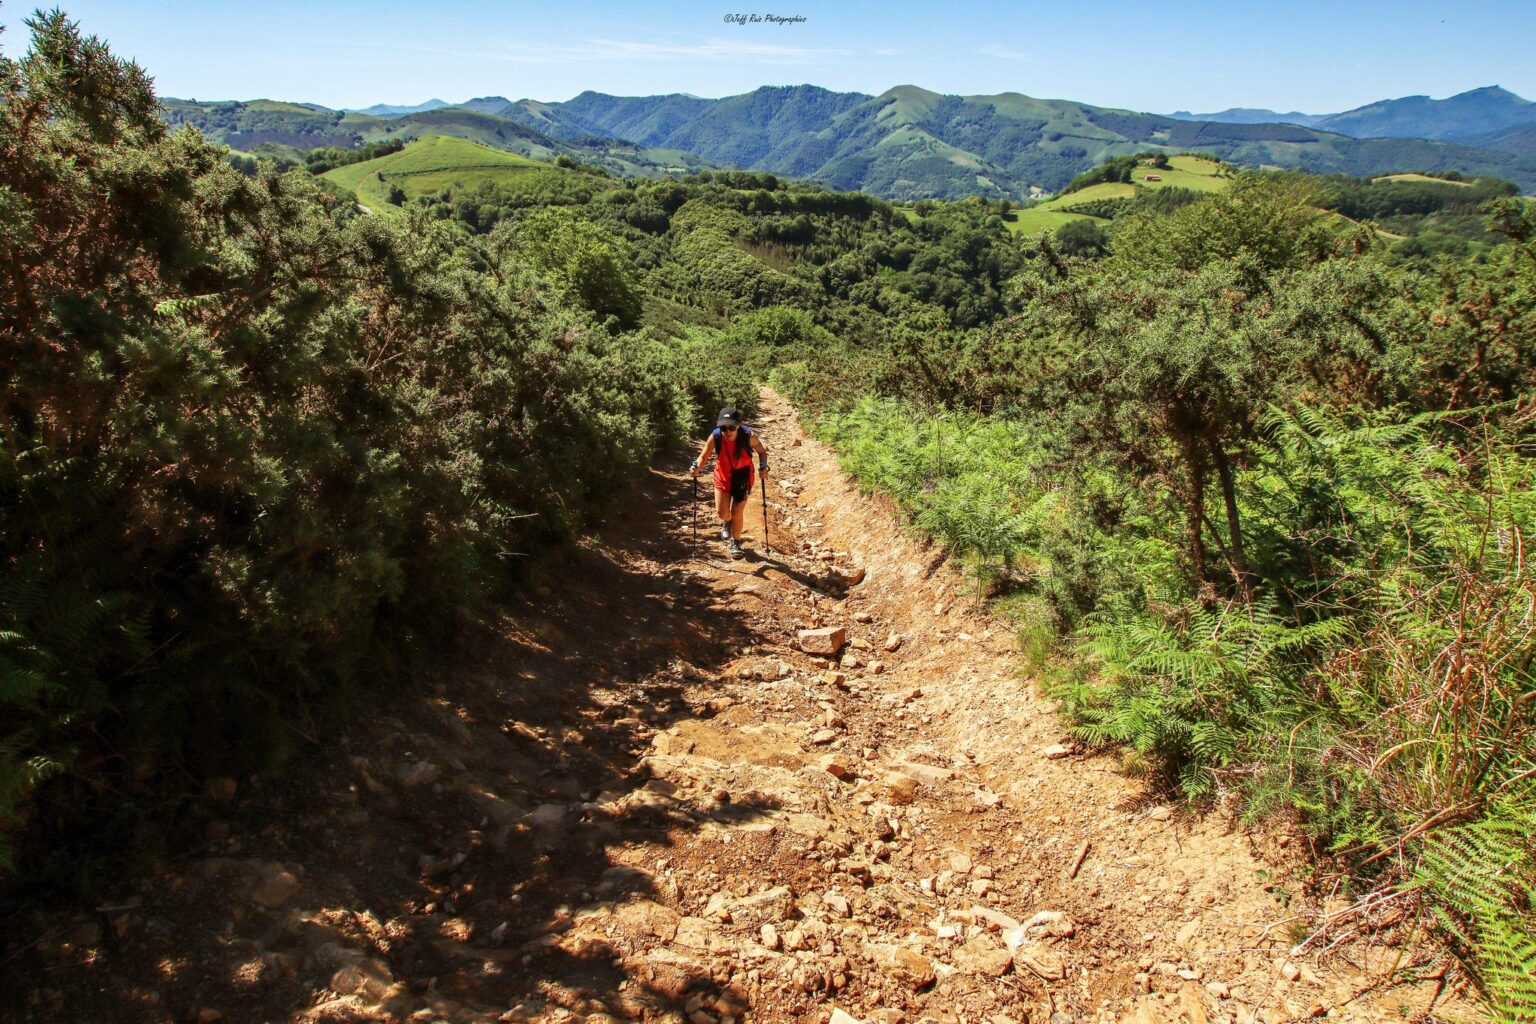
(905, 143)
(1481, 117)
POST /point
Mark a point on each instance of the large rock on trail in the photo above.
(668, 973)
(752, 912)
(826, 642)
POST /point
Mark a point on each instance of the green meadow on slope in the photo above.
(1187, 171)
(427, 166)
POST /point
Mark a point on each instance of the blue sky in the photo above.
(1156, 56)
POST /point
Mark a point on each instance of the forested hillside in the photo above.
(910, 143)
(907, 143)
(1248, 466)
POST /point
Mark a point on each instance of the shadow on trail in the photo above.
(452, 831)
(827, 585)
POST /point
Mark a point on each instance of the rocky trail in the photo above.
(807, 786)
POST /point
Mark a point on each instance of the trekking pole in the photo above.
(762, 478)
(695, 506)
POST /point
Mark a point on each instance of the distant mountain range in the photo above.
(1491, 118)
(908, 142)
(1251, 115)
(386, 110)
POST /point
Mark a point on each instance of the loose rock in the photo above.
(982, 955)
(1042, 960)
(752, 912)
(835, 766)
(274, 886)
(898, 788)
(903, 965)
(849, 577)
(826, 642)
(368, 978)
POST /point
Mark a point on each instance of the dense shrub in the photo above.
(258, 450)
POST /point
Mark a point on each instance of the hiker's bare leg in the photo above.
(723, 506)
(738, 518)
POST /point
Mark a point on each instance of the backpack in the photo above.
(746, 438)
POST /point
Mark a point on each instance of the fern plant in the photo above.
(1483, 879)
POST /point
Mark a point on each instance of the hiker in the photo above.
(732, 443)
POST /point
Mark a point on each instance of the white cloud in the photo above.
(1004, 53)
(615, 51)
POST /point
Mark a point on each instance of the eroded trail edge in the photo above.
(650, 799)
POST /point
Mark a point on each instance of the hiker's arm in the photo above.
(762, 454)
(698, 465)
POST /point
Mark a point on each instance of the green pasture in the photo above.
(1039, 219)
(1190, 172)
(1421, 177)
(429, 165)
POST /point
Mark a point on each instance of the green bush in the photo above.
(260, 451)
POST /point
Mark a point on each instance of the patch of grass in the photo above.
(1184, 172)
(1039, 219)
(1103, 190)
(1421, 177)
(428, 166)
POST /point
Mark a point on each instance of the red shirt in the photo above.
(733, 451)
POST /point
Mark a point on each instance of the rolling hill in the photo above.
(429, 165)
(270, 128)
(910, 143)
(907, 143)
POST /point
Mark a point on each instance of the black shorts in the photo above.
(741, 483)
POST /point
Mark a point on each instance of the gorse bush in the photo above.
(257, 449)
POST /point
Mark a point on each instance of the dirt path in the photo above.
(644, 802)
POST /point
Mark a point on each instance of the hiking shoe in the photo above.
(725, 533)
(735, 549)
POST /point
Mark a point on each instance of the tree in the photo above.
(1204, 318)
(1080, 238)
(593, 268)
